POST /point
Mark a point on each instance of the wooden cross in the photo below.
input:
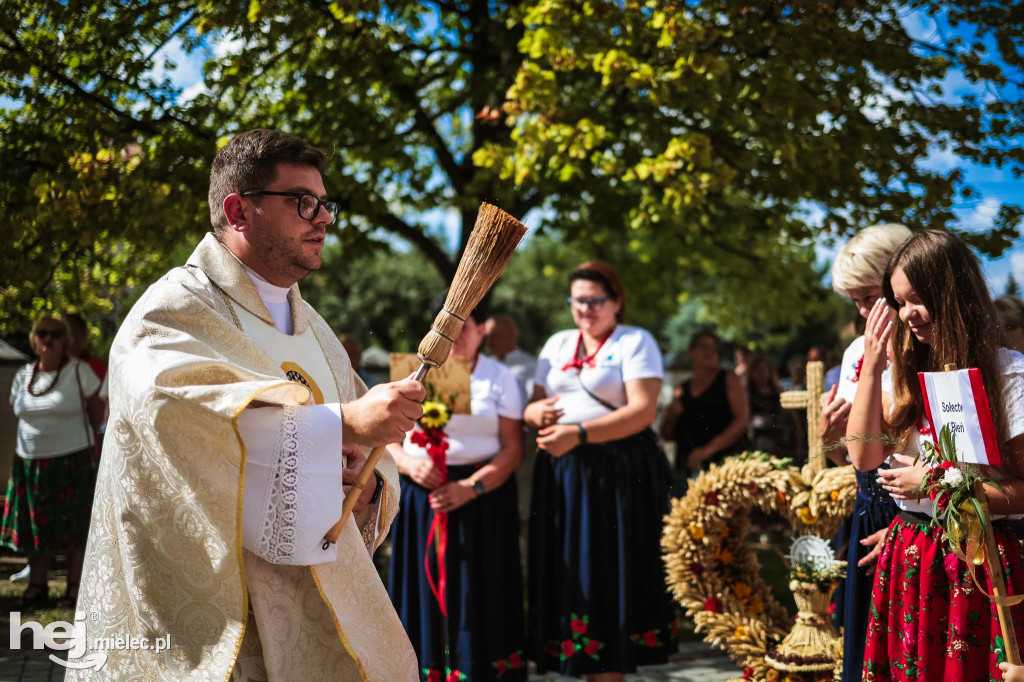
(810, 399)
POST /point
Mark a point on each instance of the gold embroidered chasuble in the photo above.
(165, 553)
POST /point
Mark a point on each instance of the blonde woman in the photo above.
(857, 273)
(49, 494)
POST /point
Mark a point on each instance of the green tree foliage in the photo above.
(699, 131)
(382, 299)
(680, 141)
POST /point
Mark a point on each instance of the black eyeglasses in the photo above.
(309, 205)
(50, 334)
(595, 303)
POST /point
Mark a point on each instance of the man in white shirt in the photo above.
(233, 409)
(502, 345)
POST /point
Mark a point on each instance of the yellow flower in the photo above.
(835, 495)
(696, 532)
(741, 632)
(806, 516)
(435, 414)
(793, 677)
(772, 675)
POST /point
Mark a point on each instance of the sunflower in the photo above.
(435, 415)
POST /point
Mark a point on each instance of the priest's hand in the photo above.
(384, 414)
(355, 462)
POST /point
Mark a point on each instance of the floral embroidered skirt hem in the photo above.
(48, 503)
(597, 595)
(484, 591)
(929, 621)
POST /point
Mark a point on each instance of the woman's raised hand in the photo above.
(876, 337)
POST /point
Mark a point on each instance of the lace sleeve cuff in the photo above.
(293, 486)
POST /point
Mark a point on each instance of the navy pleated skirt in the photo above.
(597, 593)
(484, 593)
(873, 511)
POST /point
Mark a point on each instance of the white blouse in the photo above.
(849, 376)
(1011, 366)
(473, 438)
(55, 423)
(630, 353)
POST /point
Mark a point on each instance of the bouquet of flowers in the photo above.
(953, 490)
(431, 435)
(817, 572)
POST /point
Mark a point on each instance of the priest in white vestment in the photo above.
(236, 423)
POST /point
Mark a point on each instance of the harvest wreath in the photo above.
(712, 571)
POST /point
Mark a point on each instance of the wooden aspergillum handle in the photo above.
(353, 493)
(331, 536)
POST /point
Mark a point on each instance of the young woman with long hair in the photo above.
(928, 619)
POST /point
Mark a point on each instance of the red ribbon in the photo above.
(435, 442)
(578, 362)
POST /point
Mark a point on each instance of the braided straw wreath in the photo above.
(713, 573)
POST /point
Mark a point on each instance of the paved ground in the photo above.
(698, 663)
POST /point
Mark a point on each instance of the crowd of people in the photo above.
(238, 386)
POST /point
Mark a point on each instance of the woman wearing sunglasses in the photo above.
(49, 493)
(600, 489)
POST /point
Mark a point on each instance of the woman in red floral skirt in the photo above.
(929, 621)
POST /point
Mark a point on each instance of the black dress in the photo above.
(485, 637)
(598, 601)
(703, 417)
(771, 425)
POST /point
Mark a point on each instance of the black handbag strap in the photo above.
(601, 401)
(85, 407)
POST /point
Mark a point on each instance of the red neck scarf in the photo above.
(577, 362)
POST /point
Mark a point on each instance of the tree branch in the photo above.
(105, 104)
(428, 246)
(170, 36)
(423, 123)
(526, 204)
